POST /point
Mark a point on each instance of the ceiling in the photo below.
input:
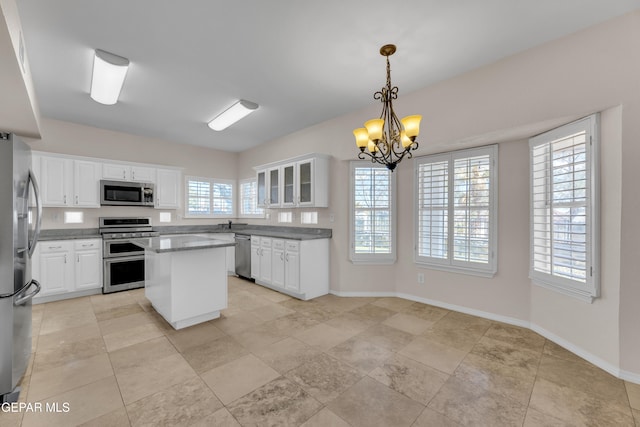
(304, 62)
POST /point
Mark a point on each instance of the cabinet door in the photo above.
(56, 275)
(292, 270)
(274, 188)
(277, 263)
(265, 260)
(86, 182)
(305, 183)
(262, 188)
(255, 257)
(167, 192)
(56, 181)
(143, 174)
(88, 274)
(115, 171)
(288, 185)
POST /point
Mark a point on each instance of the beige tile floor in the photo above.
(272, 360)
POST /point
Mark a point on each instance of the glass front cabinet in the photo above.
(298, 182)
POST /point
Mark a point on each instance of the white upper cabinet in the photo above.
(86, 179)
(299, 182)
(262, 188)
(168, 184)
(72, 181)
(55, 182)
(124, 172)
(288, 173)
(69, 183)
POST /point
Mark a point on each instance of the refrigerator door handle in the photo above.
(21, 300)
(18, 292)
(36, 232)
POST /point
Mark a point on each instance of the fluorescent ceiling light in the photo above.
(109, 71)
(232, 114)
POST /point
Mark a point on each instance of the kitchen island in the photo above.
(186, 277)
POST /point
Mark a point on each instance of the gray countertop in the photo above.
(279, 232)
(181, 243)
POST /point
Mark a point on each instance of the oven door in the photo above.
(123, 273)
(120, 248)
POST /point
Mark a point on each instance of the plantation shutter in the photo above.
(198, 197)
(433, 209)
(561, 208)
(372, 211)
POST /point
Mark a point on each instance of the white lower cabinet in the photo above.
(65, 268)
(299, 268)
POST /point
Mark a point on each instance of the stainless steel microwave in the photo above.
(124, 193)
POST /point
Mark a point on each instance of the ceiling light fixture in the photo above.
(232, 114)
(109, 72)
(387, 139)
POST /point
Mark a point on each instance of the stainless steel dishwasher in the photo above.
(243, 256)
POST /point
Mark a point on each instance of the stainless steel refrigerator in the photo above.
(19, 229)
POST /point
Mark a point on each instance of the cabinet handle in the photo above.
(55, 247)
(64, 199)
(87, 245)
(76, 199)
(65, 259)
(124, 174)
(78, 258)
(281, 259)
(287, 257)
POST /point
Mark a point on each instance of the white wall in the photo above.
(507, 102)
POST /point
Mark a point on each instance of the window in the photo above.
(285, 216)
(209, 198)
(564, 203)
(249, 200)
(372, 214)
(456, 211)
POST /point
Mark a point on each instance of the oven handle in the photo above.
(123, 259)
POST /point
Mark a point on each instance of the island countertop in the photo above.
(189, 242)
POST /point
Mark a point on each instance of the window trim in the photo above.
(211, 181)
(372, 259)
(240, 200)
(449, 264)
(591, 288)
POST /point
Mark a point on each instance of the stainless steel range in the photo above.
(124, 260)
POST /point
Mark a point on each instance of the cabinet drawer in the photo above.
(265, 242)
(278, 244)
(54, 246)
(293, 246)
(80, 245)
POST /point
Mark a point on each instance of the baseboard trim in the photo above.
(595, 360)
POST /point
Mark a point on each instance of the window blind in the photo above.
(456, 210)
(198, 197)
(560, 205)
(471, 209)
(433, 209)
(564, 209)
(248, 199)
(222, 199)
(372, 211)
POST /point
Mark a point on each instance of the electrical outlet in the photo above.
(332, 217)
(421, 278)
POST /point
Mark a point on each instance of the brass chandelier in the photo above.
(388, 140)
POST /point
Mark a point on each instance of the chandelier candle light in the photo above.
(387, 140)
